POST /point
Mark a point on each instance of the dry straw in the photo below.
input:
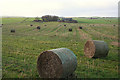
(96, 49)
(56, 63)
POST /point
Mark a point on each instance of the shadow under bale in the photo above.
(38, 27)
(113, 25)
(31, 25)
(12, 31)
(80, 27)
(45, 25)
(70, 29)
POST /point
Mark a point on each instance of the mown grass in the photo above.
(97, 21)
(21, 49)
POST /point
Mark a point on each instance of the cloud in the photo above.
(90, 8)
(59, 7)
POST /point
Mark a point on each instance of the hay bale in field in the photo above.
(70, 29)
(2, 24)
(65, 25)
(12, 31)
(80, 27)
(31, 25)
(45, 25)
(38, 27)
(96, 49)
(114, 25)
(56, 63)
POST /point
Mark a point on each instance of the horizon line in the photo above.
(59, 16)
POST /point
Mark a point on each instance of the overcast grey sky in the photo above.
(67, 8)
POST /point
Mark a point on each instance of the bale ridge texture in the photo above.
(56, 63)
(96, 49)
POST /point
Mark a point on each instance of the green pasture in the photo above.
(21, 49)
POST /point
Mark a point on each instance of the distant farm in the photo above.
(23, 39)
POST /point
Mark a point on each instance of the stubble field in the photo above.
(21, 49)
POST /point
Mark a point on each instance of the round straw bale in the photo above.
(96, 49)
(12, 31)
(70, 29)
(56, 63)
(38, 27)
(80, 27)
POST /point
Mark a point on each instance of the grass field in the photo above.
(21, 49)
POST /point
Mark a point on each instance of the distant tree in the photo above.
(55, 18)
(47, 18)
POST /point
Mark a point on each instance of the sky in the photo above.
(61, 8)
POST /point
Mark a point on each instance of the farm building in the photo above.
(58, 20)
(66, 19)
